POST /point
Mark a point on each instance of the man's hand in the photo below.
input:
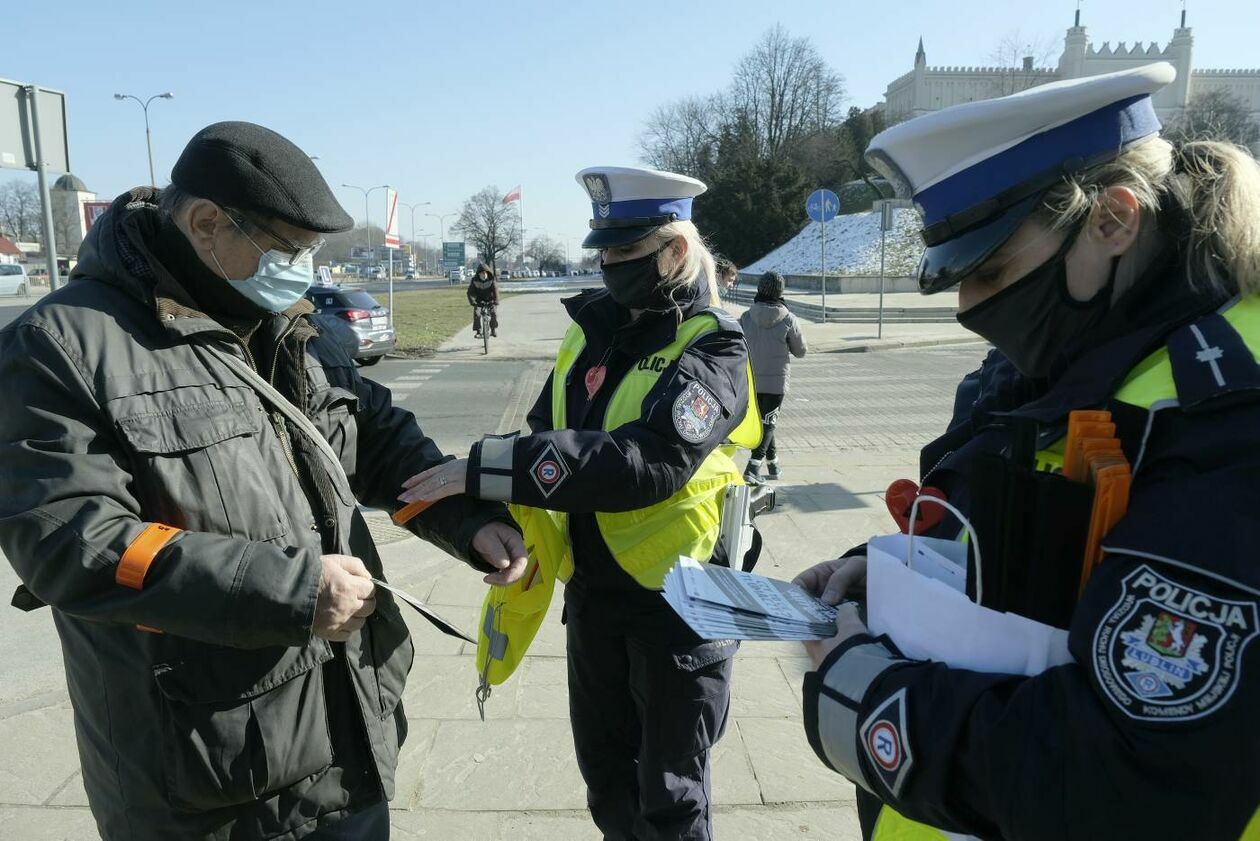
(436, 483)
(848, 624)
(831, 581)
(346, 598)
(504, 549)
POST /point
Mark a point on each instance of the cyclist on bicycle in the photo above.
(484, 292)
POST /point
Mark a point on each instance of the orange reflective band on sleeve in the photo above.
(410, 510)
(139, 556)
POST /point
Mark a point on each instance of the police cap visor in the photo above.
(944, 265)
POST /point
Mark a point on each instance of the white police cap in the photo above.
(628, 203)
(977, 170)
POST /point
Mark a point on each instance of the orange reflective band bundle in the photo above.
(1093, 455)
(411, 510)
(139, 556)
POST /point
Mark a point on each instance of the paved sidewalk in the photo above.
(852, 424)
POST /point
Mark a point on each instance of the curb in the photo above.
(898, 344)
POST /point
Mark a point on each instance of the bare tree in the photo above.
(1214, 115)
(545, 252)
(785, 90)
(489, 224)
(20, 211)
(680, 136)
(1018, 56)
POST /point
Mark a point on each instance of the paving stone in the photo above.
(445, 825)
(502, 766)
(72, 794)
(759, 689)
(786, 767)
(44, 739)
(732, 770)
(409, 775)
(542, 688)
(22, 823)
(773, 823)
(442, 687)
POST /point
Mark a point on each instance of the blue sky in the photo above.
(441, 99)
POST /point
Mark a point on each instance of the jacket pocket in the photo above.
(237, 725)
(201, 462)
(392, 652)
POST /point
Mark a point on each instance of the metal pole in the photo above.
(391, 254)
(883, 242)
(148, 141)
(41, 167)
(823, 226)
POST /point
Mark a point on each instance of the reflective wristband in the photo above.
(139, 556)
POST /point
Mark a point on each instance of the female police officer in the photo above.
(1118, 272)
(649, 381)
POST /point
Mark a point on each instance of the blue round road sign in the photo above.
(822, 205)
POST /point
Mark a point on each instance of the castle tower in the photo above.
(920, 81)
(1075, 45)
(1180, 52)
(68, 194)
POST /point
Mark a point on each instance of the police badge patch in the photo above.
(597, 186)
(1165, 652)
(696, 412)
(884, 739)
(549, 471)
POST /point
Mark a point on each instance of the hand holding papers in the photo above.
(722, 603)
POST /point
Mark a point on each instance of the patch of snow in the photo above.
(852, 247)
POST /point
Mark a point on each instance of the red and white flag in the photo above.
(515, 195)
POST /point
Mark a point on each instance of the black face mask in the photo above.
(1035, 321)
(636, 284)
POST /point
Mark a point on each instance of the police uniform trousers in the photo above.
(645, 711)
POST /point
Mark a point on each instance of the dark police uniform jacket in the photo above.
(1153, 731)
(637, 464)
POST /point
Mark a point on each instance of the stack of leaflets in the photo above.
(723, 603)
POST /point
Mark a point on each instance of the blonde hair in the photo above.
(697, 262)
(1216, 184)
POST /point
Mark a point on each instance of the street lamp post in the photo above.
(367, 212)
(148, 135)
(412, 208)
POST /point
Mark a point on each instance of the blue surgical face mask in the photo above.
(280, 280)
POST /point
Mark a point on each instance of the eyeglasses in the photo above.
(296, 253)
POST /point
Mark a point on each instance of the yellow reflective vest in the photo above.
(645, 542)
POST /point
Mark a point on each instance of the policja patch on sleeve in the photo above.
(696, 412)
(549, 471)
(1166, 652)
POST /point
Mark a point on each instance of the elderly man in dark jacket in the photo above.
(181, 476)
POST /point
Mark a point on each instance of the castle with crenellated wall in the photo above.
(926, 88)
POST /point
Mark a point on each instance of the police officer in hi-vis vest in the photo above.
(631, 446)
(1116, 272)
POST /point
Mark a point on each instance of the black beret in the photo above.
(251, 168)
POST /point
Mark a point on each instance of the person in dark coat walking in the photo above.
(774, 337)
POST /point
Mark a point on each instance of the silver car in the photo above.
(13, 279)
(368, 319)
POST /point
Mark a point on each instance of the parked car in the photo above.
(368, 320)
(13, 279)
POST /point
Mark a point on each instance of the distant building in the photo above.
(70, 223)
(926, 88)
(9, 252)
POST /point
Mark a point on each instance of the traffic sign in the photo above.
(822, 205)
(391, 219)
(453, 255)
